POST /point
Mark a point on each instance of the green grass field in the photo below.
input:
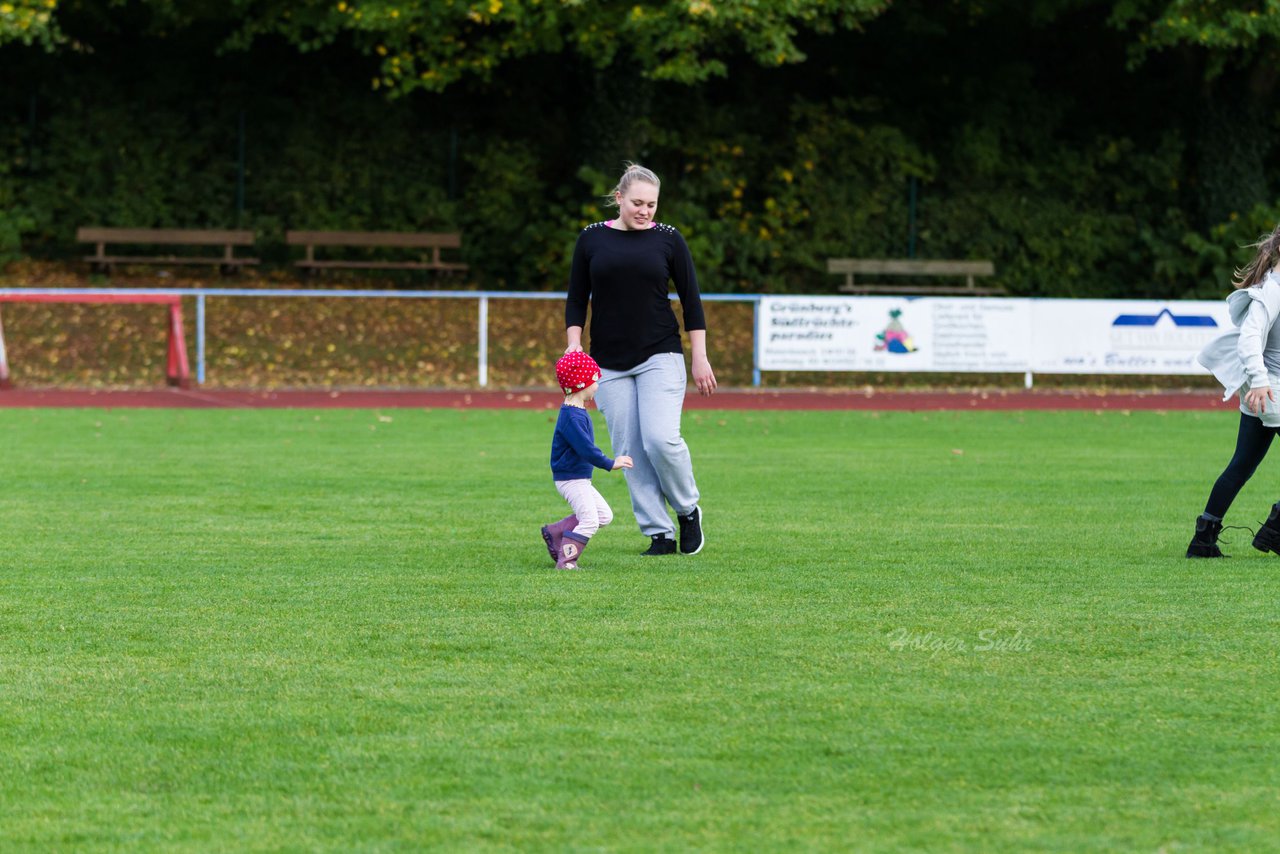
(339, 630)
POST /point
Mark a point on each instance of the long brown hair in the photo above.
(1268, 247)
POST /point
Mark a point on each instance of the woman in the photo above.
(622, 267)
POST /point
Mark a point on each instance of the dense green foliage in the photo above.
(1089, 148)
(339, 630)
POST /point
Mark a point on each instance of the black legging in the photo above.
(1251, 446)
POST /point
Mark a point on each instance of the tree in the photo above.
(29, 22)
(1225, 54)
(1228, 49)
(432, 45)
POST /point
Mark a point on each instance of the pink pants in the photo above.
(588, 505)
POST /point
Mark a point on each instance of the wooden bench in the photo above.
(227, 239)
(850, 267)
(435, 241)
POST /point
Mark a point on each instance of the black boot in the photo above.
(1268, 537)
(1205, 542)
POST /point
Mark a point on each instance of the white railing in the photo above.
(871, 333)
(482, 297)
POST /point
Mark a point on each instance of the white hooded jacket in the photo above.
(1249, 355)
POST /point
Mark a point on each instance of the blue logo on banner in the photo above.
(1182, 320)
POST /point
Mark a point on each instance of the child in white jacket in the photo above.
(1246, 361)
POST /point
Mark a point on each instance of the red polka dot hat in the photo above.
(575, 371)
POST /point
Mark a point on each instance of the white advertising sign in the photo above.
(893, 334)
(1123, 336)
(985, 335)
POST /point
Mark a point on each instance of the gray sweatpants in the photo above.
(642, 409)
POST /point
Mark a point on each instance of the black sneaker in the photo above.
(661, 545)
(691, 540)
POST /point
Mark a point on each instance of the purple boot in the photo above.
(571, 548)
(552, 534)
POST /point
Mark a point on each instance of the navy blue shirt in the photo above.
(624, 275)
(573, 447)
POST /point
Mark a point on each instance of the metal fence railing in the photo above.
(200, 295)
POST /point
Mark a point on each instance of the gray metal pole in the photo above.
(240, 171)
(755, 342)
(911, 216)
(484, 341)
(199, 339)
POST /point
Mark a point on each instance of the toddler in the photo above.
(573, 454)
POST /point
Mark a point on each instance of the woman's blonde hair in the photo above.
(634, 172)
(1268, 247)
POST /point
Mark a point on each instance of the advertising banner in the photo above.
(985, 335)
(893, 334)
(1123, 336)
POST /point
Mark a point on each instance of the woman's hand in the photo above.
(622, 462)
(573, 335)
(703, 377)
(1256, 398)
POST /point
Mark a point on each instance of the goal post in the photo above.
(177, 369)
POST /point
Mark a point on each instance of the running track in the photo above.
(547, 399)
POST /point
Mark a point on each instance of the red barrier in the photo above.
(177, 371)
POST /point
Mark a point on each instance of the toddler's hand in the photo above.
(623, 462)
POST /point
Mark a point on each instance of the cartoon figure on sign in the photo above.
(895, 338)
